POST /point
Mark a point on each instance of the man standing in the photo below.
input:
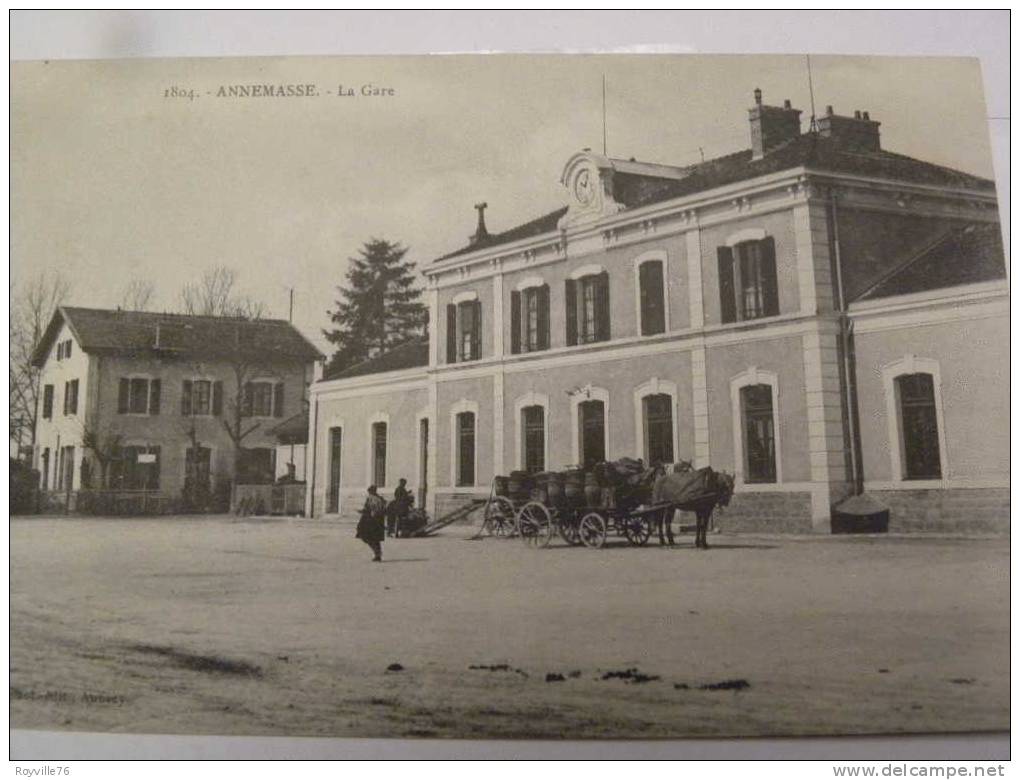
(371, 528)
(397, 511)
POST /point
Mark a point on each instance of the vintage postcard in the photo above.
(509, 396)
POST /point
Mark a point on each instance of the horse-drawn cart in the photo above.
(623, 498)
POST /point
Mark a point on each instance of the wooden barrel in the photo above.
(573, 486)
(551, 485)
(501, 486)
(592, 490)
(518, 484)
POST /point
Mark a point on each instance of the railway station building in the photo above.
(814, 314)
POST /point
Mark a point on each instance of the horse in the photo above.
(716, 490)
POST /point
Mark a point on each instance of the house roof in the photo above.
(183, 335)
(413, 354)
(962, 255)
(293, 430)
(638, 184)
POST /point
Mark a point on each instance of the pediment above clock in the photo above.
(588, 179)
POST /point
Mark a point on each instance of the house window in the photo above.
(533, 433)
(587, 303)
(379, 453)
(463, 331)
(136, 468)
(759, 433)
(71, 397)
(138, 395)
(658, 411)
(592, 425)
(201, 396)
(652, 297)
(747, 280)
(258, 399)
(47, 406)
(465, 449)
(45, 469)
(529, 319)
(919, 426)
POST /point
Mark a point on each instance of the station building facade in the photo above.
(815, 315)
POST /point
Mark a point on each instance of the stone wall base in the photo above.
(953, 510)
(766, 513)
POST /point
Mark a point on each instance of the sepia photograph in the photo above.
(534, 396)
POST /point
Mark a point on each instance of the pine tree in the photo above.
(379, 309)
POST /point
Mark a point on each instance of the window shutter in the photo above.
(67, 396)
(217, 398)
(476, 338)
(515, 322)
(186, 398)
(543, 317)
(278, 400)
(571, 307)
(67, 351)
(451, 333)
(770, 291)
(122, 395)
(602, 308)
(727, 294)
(74, 396)
(154, 388)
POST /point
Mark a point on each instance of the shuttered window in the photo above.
(652, 296)
(529, 319)
(592, 424)
(748, 288)
(47, 409)
(759, 433)
(258, 399)
(463, 331)
(587, 305)
(919, 426)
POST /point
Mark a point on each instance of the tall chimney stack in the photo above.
(857, 133)
(772, 126)
(481, 233)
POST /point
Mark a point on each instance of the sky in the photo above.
(111, 180)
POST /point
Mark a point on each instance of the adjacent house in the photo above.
(169, 403)
(815, 314)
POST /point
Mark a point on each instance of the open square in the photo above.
(230, 626)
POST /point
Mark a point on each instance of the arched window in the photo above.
(592, 425)
(587, 306)
(465, 448)
(917, 443)
(748, 288)
(919, 426)
(529, 316)
(379, 453)
(533, 438)
(658, 415)
(754, 395)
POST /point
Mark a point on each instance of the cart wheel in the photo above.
(592, 530)
(570, 530)
(637, 530)
(499, 517)
(535, 524)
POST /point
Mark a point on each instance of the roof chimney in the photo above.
(481, 233)
(857, 133)
(771, 126)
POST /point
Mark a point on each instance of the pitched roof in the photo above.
(963, 255)
(642, 184)
(183, 335)
(413, 354)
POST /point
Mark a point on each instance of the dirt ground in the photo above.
(225, 626)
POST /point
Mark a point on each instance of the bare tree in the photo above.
(104, 448)
(32, 306)
(214, 295)
(138, 295)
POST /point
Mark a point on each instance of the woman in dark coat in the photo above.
(371, 526)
